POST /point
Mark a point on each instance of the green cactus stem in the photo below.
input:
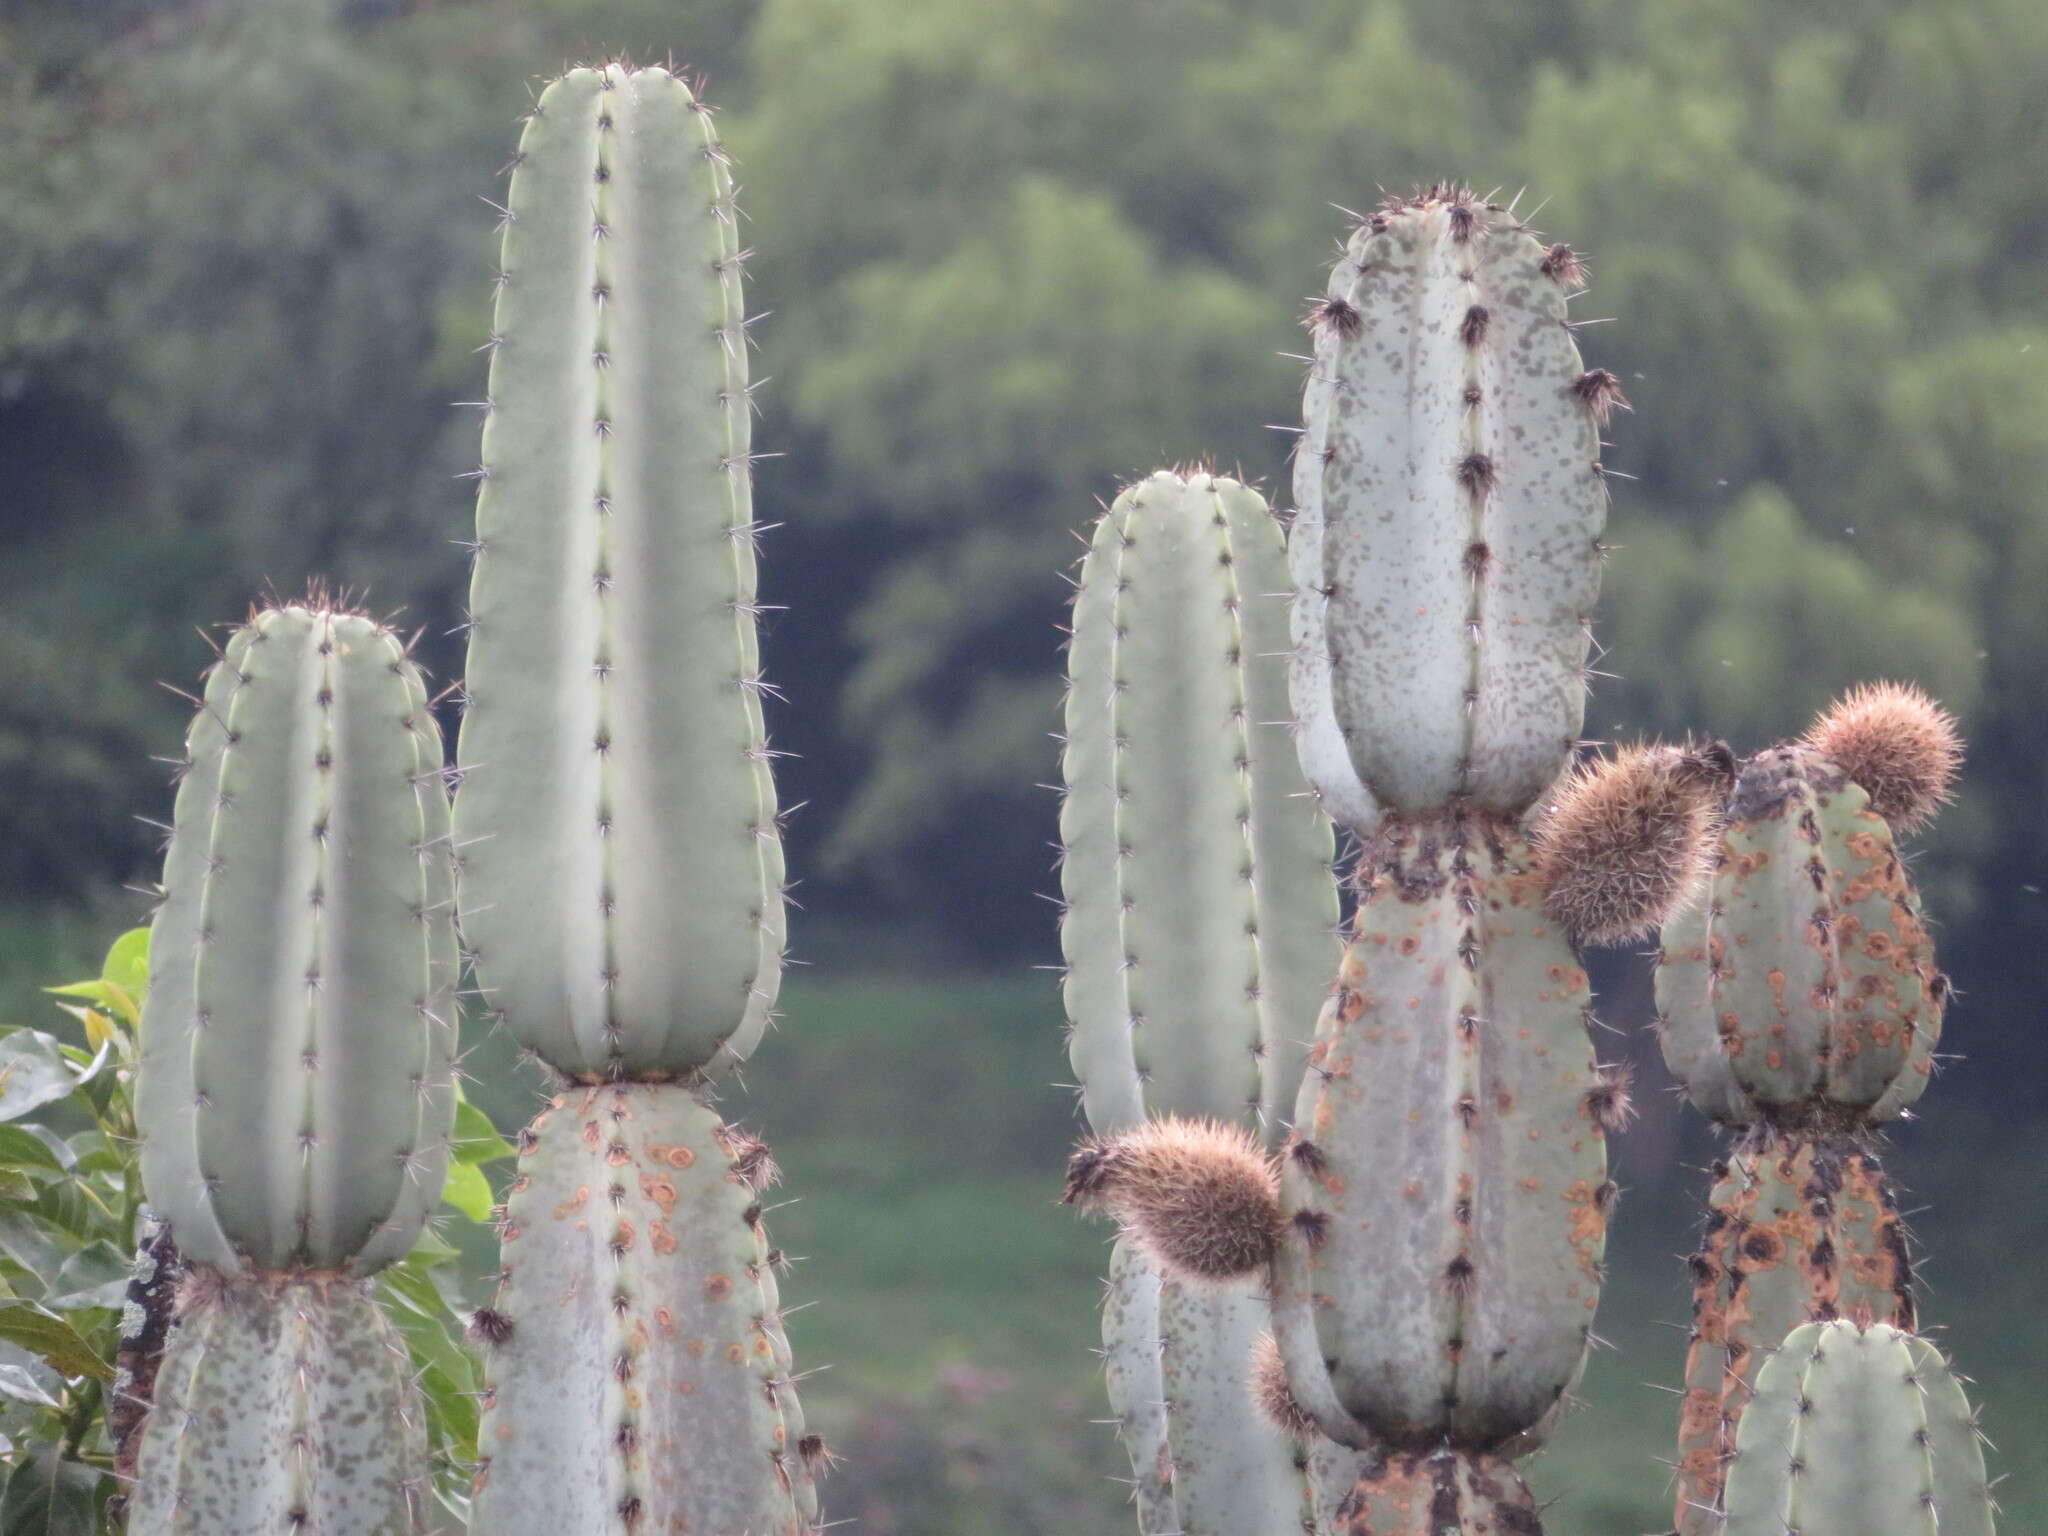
(1444, 1196)
(1855, 1431)
(1200, 920)
(282, 1404)
(637, 1376)
(1445, 549)
(1806, 988)
(1201, 913)
(295, 1096)
(1798, 1232)
(622, 874)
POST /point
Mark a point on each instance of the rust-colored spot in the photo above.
(675, 1157)
(1531, 1183)
(658, 1234)
(735, 1352)
(1410, 945)
(623, 1237)
(717, 1287)
(665, 1322)
(520, 1184)
(591, 1134)
(576, 1202)
(1412, 1189)
(660, 1191)
(694, 1349)
(617, 1155)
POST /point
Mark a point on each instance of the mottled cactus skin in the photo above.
(1805, 989)
(1449, 506)
(637, 1377)
(1445, 1192)
(622, 867)
(1855, 1432)
(295, 1095)
(282, 1404)
(1797, 1232)
(1200, 919)
(1201, 914)
(1416, 1493)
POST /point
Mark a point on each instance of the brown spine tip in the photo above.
(817, 1458)
(1610, 1102)
(1472, 329)
(1337, 315)
(1564, 267)
(1901, 748)
(1272, 1394)
(1600, 392)
(1628, 839)
(489, 1327)
(1202, 1197)
(1475, 473)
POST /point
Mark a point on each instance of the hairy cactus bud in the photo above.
(1199, 1194)
(1898, 745)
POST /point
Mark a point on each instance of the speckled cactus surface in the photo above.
(1449, 506)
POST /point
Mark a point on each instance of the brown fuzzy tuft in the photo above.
(1628, 838)
(1600, 392)
(1274, 1397)
(1610, 1102)
(1899, 746)
(488, 1326)
(1201, 1196)
(1564, 267)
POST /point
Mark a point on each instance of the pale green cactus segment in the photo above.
(1446, 551)
(1234, 1473)
(1200, 903)
(622, 871)
(1856, 1431)
(637, 1378)
(1137, 1386)
(302, 1003)
(1820, 988)
(1418, 1493)
(283, 1407)
(1445, 1196)
(1798, 1231)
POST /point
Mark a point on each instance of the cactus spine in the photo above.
(622, 875)
(1855, 1430)
(1801, 1006)
(295, 1094)
(1180, 787)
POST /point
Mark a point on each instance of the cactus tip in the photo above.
(1900, 746)
(1200, 1195)
(1626, 840)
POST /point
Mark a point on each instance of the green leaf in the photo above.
(95, 1276)
(22, 1148)
(469, 1191)
(15, 1382)
(446, 1373)
(16, 1185)
(127, 963)
(476, 1138)
(50, 1496)
(33, 1072)
(55, 1340)
(431, 1250)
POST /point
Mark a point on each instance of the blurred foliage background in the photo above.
(1013, 253)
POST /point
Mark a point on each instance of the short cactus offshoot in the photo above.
(622, 874)
(296, 1096)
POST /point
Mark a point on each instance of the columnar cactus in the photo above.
(295, 1095)
(1432, 1242)
(1856, 1430)
(1801, 1005)
(621, 883)
(1200, 917)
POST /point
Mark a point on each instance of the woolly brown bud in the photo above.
(1273, 1396)
(1627, 839)
(1202, 1197)
(1899, 746)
